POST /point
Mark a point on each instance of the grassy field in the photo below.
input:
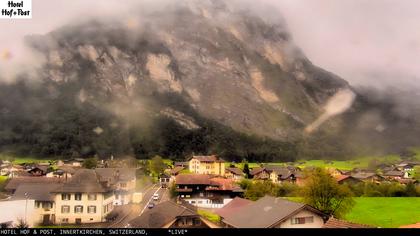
(386, 212)
(2, 182)
(209, 215)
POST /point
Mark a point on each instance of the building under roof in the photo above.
(265, 213)
(38, 191)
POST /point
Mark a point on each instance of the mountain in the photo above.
(194, 77)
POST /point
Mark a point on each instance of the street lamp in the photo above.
(26, 205)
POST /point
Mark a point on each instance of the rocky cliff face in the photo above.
(230, 66)
(196, 76)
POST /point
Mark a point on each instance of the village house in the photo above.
(396, 175)
(206, 191)
(277, 174)
(39, 170)
(164, 180)
(347, 179)
(184, 164)
(13, 183)
(122, 181)
(171, 214)
(234, 173)
(270, 212)
(368, 177)
(176, 171)
(85, 198)
(43, 205)
(259, 173)
(62, 172)
(207, 165)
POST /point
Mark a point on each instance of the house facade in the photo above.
(206, 191)
(84, 199)
(212, 165)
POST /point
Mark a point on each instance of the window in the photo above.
(47, 205)
(38, 204)
(78, 209)
(91, 209)
(124, 185)
(65, 209)
(92, 197)
(65, 197)
(302, 220)
(78, 196)
(65, 220)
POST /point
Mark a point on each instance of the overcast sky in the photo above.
(368, 42)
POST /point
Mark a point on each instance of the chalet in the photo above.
(395, 175)
(234, 173)
(259, 173)
(276, 174)
(368, 177)
(271, 212)
(207, 165)
(39, 170)
(181, 164)
(62, 172)
(205, 190)
(347, 179)
(170, 214)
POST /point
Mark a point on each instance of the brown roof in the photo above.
(176, 170)
(256, 170)
(365, 175)
(336, 223)
(223, 184)
(265, 213)
(232, 206)
(193, 179)
(394, 173)
(83, 181)
(13, 183)
(163, 214)
(235, 170)
(212, 158)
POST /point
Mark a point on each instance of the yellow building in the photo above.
(84, 199)
(207, 165)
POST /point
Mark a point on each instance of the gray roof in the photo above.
(83, 181)
(163, 214)
(38, 191)
(283, 172)
(265, 213)
(14, 183)
(394, 173)
(364, 175)
(211, 158)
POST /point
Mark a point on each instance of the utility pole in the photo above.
(26, 205)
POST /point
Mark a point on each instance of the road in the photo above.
(130, 211)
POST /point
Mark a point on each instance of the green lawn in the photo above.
(386, 212)
(2, 182)
(209, 215)
(21, 159)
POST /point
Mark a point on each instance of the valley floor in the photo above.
(385, 212)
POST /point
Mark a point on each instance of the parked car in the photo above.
(151, 205)
(155, 196)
